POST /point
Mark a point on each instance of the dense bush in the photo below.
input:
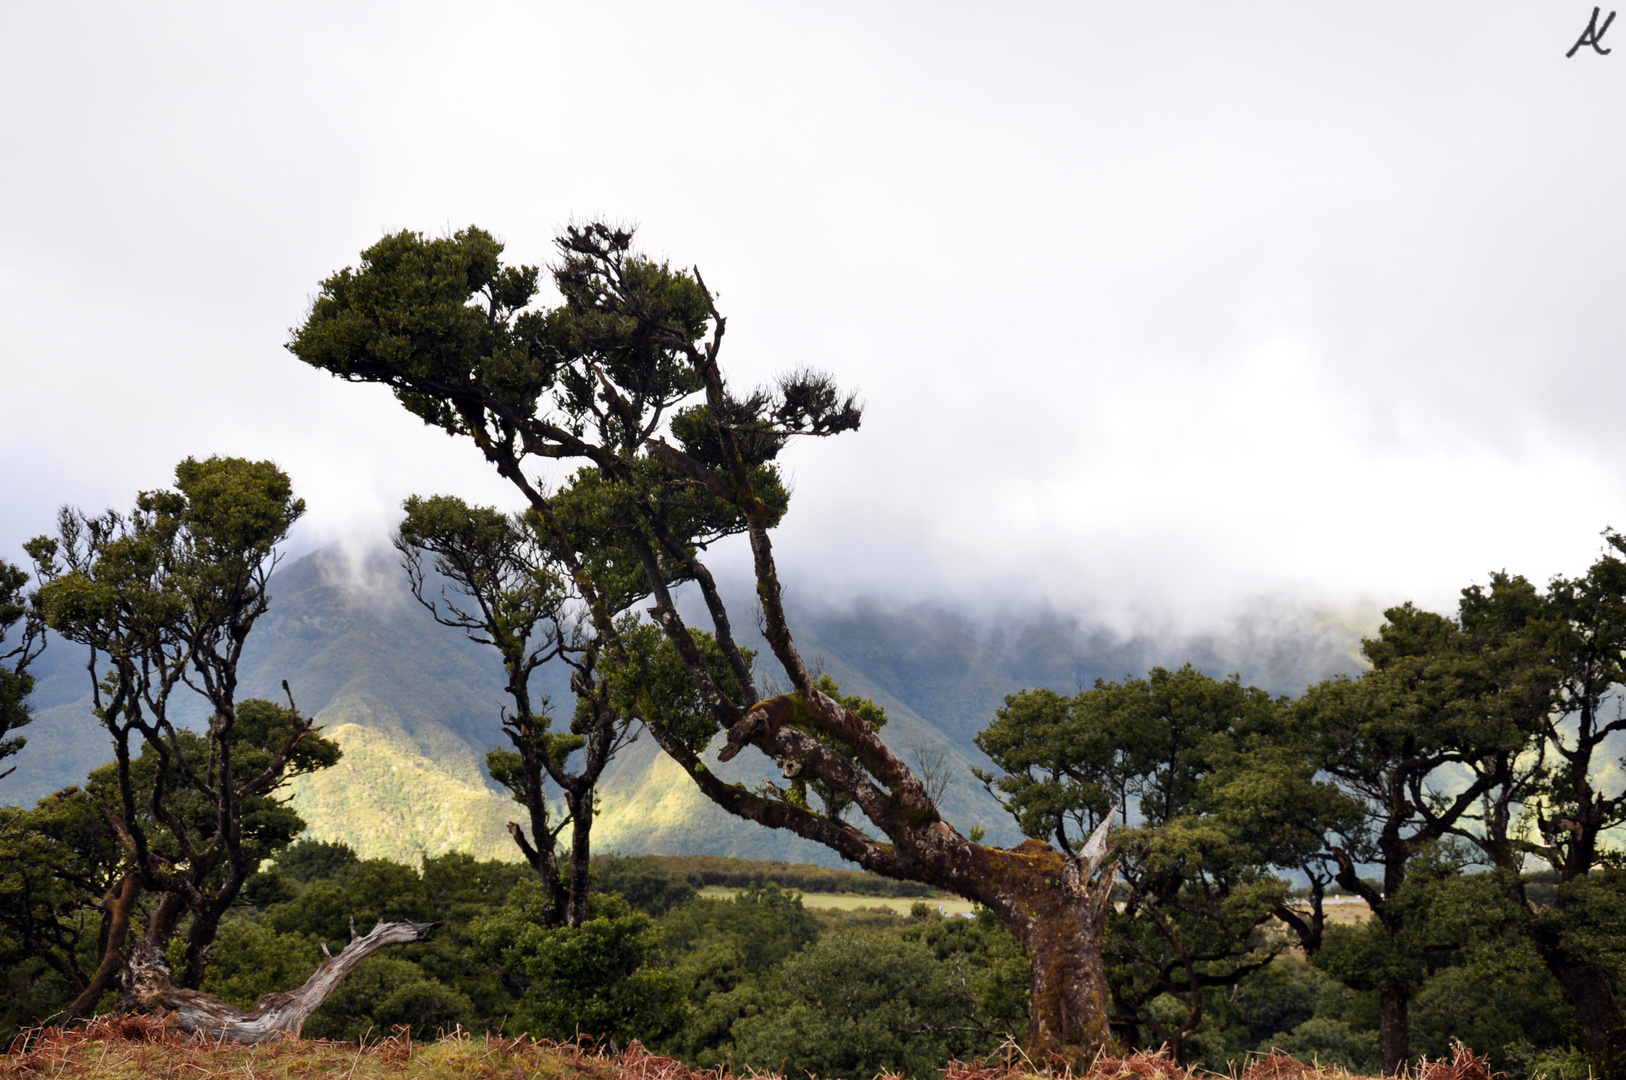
(857, 1004)
(603, 978)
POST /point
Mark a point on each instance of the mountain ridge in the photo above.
(415, 706)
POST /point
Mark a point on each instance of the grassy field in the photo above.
(948, 905)
(1344, 911)
(1339, 912)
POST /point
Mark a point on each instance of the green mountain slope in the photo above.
(416, 706)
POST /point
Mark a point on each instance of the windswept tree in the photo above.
(19, 645)
(164, 599)
(505, 589)
(624, 377)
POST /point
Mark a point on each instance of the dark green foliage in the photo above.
(429, 986)
(1148, 742)
(372, 891)
(1283, 995)
(407, 309)
(747, 980)
(602, 978)
(858, 1004)
(1219, 796)
(983, 962)
(644, 882)
(721, 949)
(1500, 999)
(253, 959)
(654, 683)
(604, 520)
(1331, 1043)
(17, 650)
(1435, 913)
(761, 925)
(385, 992)
(57, 860)
(312, 860)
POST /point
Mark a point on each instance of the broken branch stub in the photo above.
(1078, 871)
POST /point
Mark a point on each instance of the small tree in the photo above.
(511, 595)
(16, 606)
(165, 598)
(1395, 741)
(69, 890)
(603, 379)
(1200, 768)
(64, 888)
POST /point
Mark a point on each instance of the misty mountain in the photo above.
(415, 706)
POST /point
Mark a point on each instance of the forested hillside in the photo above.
(415, 707)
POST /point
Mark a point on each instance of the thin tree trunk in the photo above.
(1394, 1036)
(121, 905)
(200, 937)
(194, 1012)
(581, 852)
(164, 919)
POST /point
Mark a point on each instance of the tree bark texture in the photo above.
(1061, 934)
(1394, 1036)
(150, 990)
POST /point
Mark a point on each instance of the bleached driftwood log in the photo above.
(151, 991)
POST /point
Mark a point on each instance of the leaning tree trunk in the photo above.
(1044, 896)
(194, 1012)
(120, 905)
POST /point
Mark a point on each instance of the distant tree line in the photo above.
(725, 872)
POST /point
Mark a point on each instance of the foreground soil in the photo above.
(141, 1048)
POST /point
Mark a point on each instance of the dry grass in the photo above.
(142, 1048)
(1012, 1064)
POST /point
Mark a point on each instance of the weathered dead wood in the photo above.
(149, 990)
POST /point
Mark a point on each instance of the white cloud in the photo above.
(1156, 308)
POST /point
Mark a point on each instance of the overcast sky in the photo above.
(1156, 308)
